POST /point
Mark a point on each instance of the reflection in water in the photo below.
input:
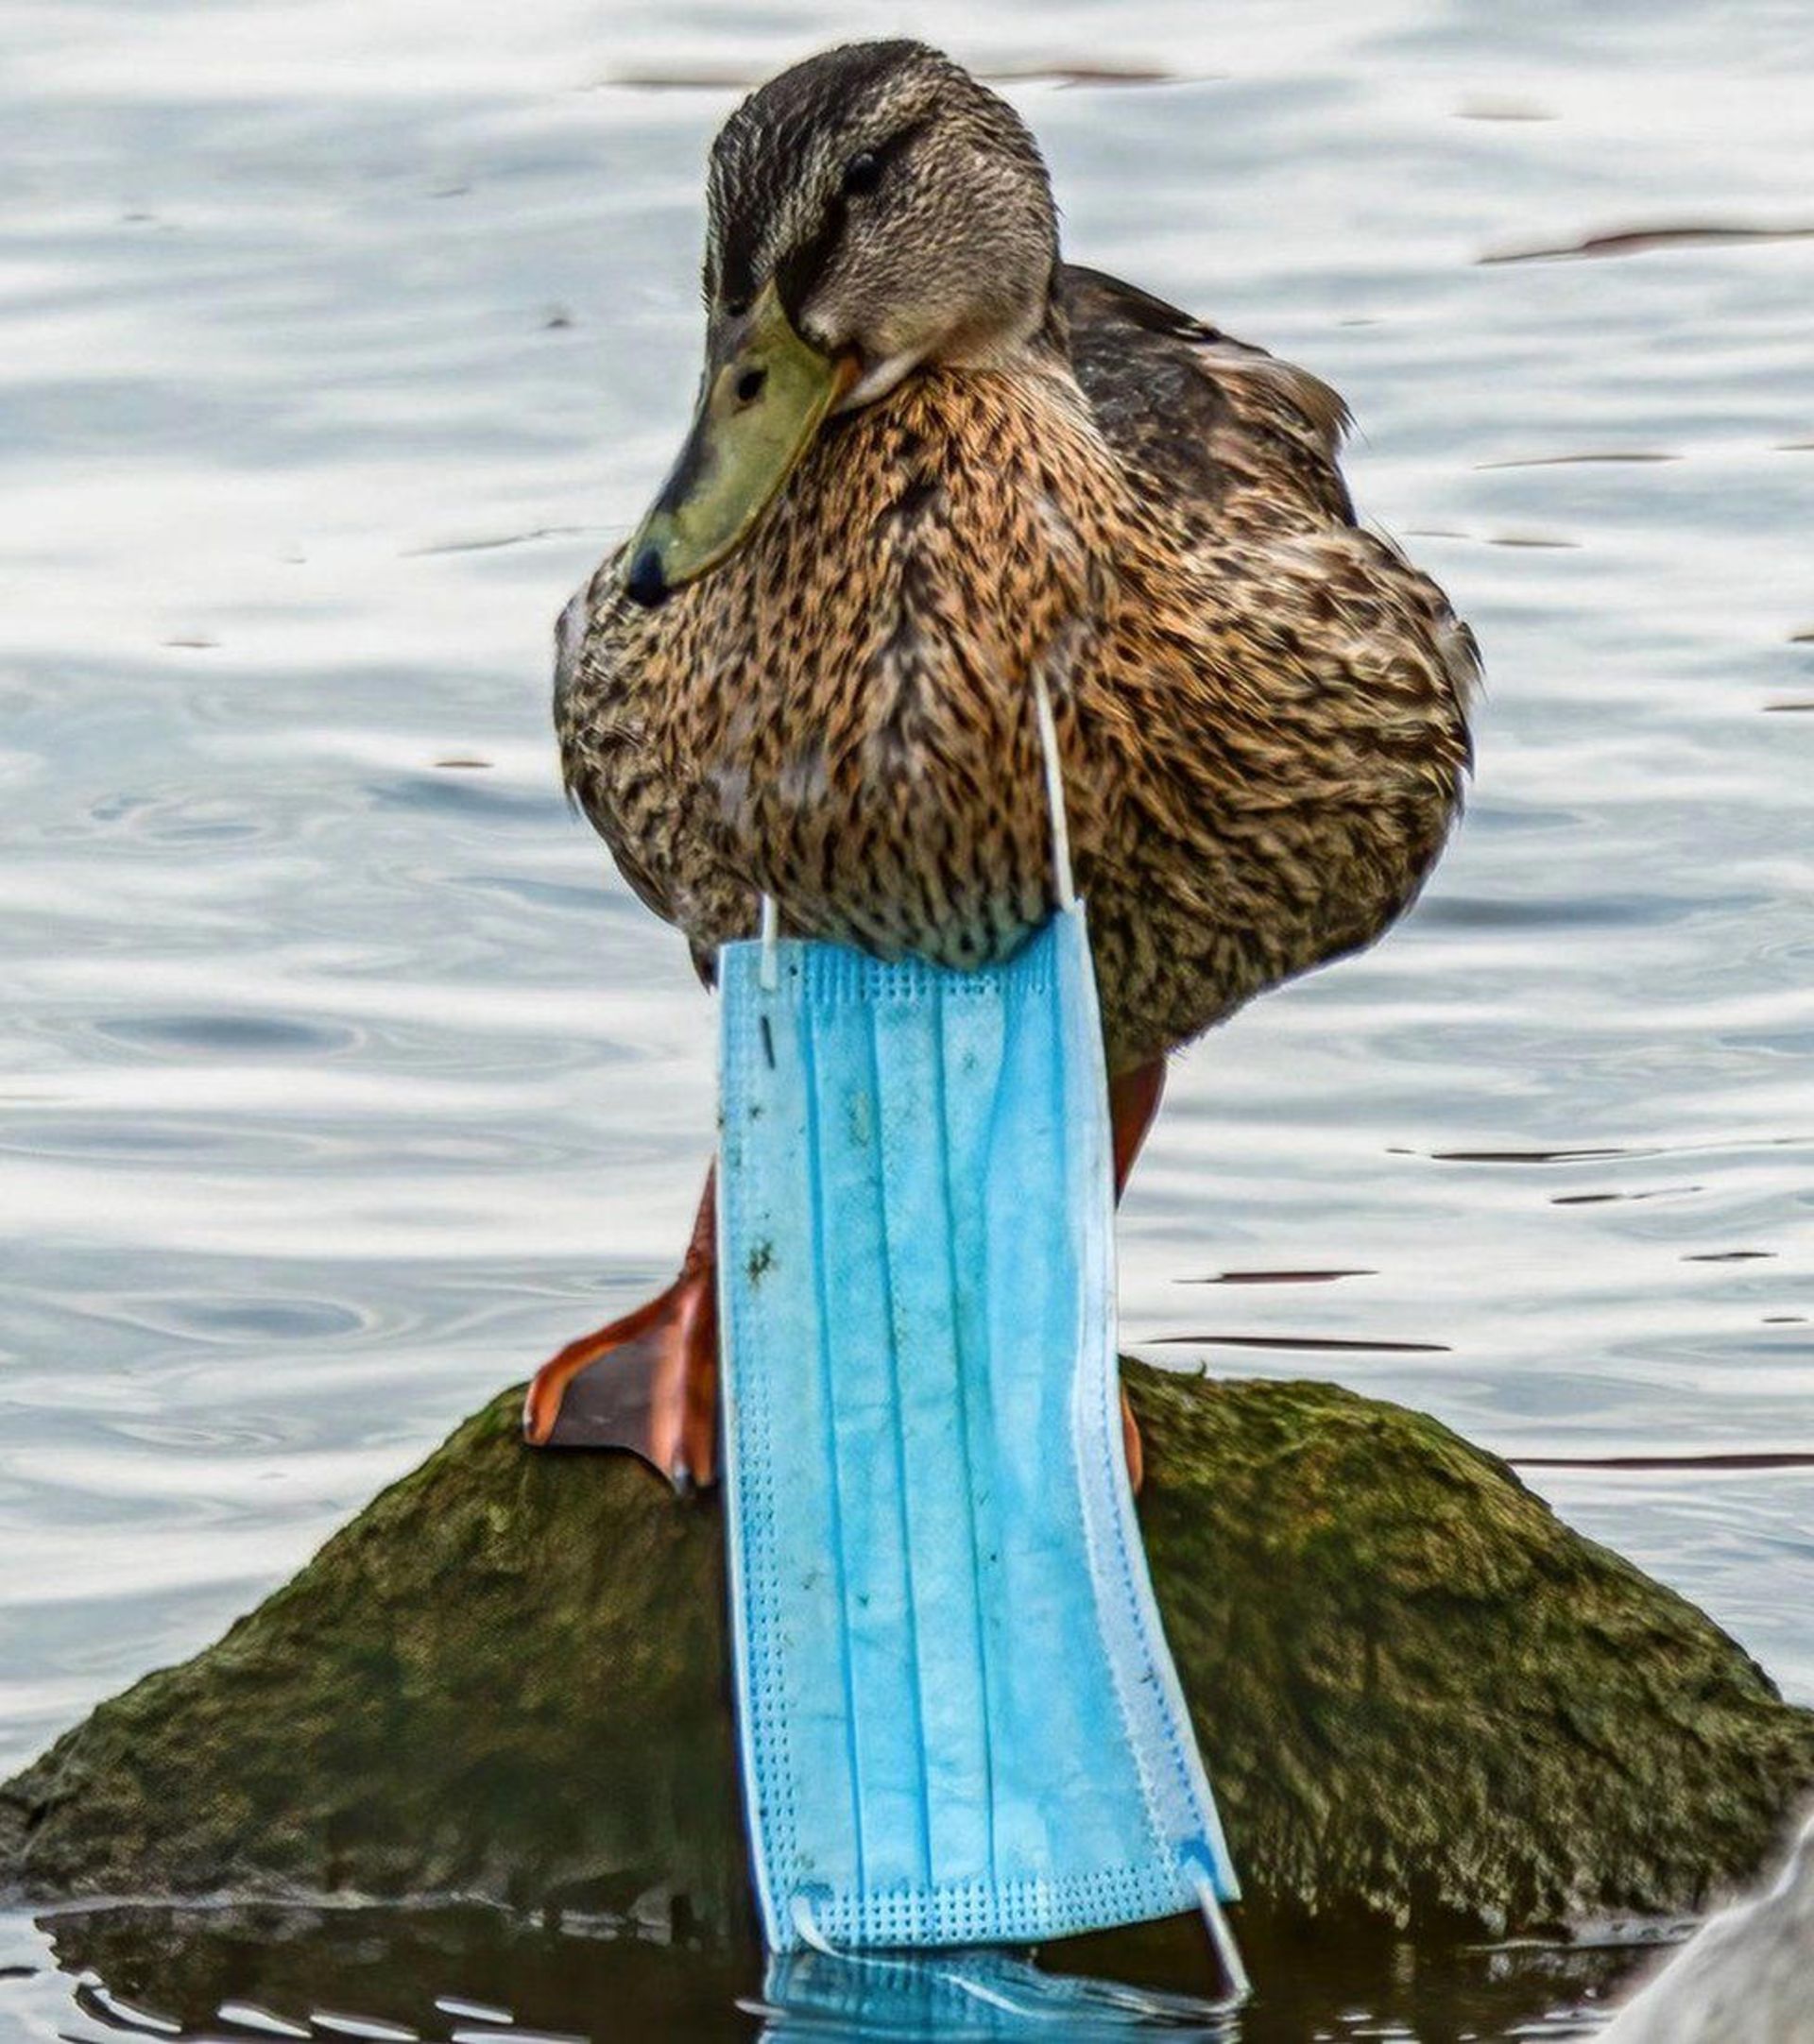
(969, 1997)
(460, 1975)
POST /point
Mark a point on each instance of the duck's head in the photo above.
(871, 211)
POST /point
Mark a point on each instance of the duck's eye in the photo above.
(863, 173)
(736, 307)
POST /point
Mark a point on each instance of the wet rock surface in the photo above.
(1420, 1694)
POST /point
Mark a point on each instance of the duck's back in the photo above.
(1319, 764)
(1231, 434)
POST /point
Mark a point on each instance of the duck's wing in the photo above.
(1229, 431)
(597, 749)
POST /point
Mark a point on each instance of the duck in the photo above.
(935, 465)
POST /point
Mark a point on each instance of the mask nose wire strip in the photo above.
(1063, 878)
(1222, 1938)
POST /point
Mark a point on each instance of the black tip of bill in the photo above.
(645, 582)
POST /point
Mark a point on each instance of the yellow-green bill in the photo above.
(766, 393)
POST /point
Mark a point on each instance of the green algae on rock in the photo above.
(1420, 1694)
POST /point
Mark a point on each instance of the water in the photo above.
(468, 1976)
(341, 1080)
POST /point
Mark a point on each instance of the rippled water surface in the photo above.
(340, 1079)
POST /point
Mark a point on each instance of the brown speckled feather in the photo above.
(1261, 708)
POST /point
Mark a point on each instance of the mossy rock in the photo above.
(1420, 1694)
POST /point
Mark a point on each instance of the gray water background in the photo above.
(340, 1079)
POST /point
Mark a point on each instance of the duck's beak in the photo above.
(765, 394)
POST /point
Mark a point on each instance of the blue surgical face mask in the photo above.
(960, 1722)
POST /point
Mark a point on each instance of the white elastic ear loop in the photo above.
(769, 978)
(1063, 878)
(1222, 1938)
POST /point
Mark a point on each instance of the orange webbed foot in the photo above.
(648, 1383)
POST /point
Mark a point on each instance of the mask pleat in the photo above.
(864, 1562)
(953, 1438)
(863, 1315)
(778, 1382)
(1043, 1327)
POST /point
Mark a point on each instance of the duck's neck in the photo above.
(930, 550)
(969, 494)
(1034, 343)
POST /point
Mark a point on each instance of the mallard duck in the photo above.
(931, 460)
